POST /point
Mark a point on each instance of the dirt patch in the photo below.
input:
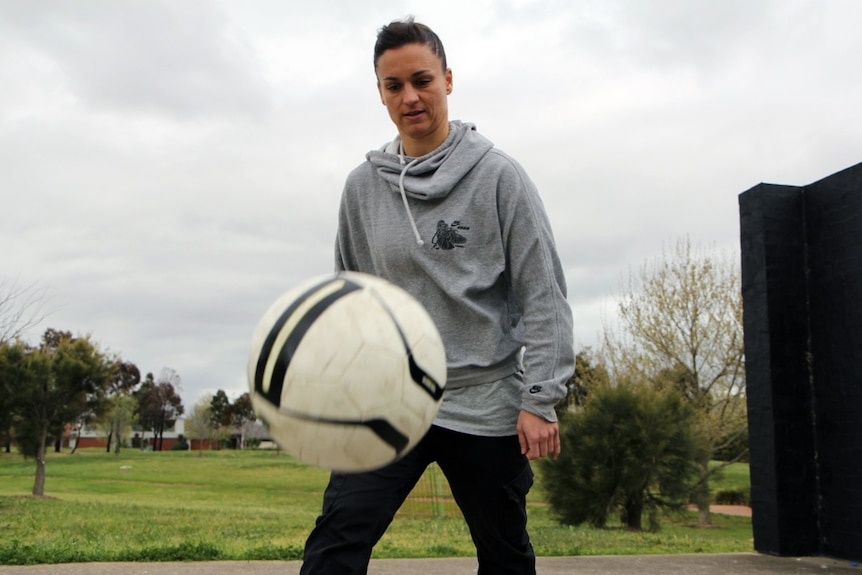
(738, 510)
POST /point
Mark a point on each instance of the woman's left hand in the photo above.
(538, 436)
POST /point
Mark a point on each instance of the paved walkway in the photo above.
(705, 564)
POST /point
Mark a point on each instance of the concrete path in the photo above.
(703, 564)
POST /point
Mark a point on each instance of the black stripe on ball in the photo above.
(384, 430)
(417, 373)
(285, 354)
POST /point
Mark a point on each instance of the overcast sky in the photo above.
(168, 168)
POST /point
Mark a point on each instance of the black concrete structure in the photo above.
(802, 296)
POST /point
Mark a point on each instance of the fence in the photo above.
(431, 498)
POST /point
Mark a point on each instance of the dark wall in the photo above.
(834, 231)
(780, 417)
(802, 288)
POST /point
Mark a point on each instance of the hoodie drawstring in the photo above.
(419, 240)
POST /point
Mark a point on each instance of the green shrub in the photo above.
(631, 450)
(181, 444)
(732, 497)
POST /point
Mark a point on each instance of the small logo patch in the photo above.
(447, 236)
(536, 389)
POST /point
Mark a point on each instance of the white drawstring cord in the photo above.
(419, 240)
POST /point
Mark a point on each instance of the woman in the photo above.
(457, 223)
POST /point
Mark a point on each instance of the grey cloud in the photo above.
(162, 215)
(175, 58)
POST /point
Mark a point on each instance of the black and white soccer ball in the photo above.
(347, 371)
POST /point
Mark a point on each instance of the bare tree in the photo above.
(121, 419)
(680, 325)
(20, 309)
(170, 376)
(199, 424)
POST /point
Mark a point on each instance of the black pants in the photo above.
(489, 479)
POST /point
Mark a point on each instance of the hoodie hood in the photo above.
(433, 175)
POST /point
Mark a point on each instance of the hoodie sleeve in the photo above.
(351, 241)
(539, 290)
(343, 256)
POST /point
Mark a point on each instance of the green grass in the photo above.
(229, 505)
(733, 477)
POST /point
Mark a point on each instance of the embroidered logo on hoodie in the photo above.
(447, 236)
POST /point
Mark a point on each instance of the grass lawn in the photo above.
(733, 478)
(230, 505)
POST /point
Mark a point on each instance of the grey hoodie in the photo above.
(464, 231)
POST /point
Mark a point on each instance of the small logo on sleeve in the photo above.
(536, 389)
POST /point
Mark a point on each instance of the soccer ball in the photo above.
(347, 371)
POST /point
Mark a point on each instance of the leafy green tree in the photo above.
(145, 417)
(630, 450)
(221, 416)
(159, 406)
(242, 415)
(680, 326)
(13, 376)
(7, 391)
(227, 419)
(55, 383)
(587, 377)
(112, 413)
(220, 409)
(20, 309)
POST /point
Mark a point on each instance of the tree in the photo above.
(170, 375)
(125, 377)
(220, 414)
(142, 413)
(17, 369)
(631, 449)
(54, 384)
(7, 391)
(20, 309)
(680, 325)
(586, 378)
(199, 424)
(226, 418)
(122, 417)
(169, 385)
(242, 415)
(159, 406)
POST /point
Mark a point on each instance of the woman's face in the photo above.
(414, 88)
